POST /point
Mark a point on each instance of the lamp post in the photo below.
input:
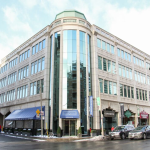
(41, 105)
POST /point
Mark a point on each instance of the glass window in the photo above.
(40, 46)
(31, 89)
(99, 62)
(35, 67)
(121, 90)
(21, 73)
(109, 66)
(126, 55)
(38, 86)
(28, 53)
(39, 65)
(101, 85)
(105, 86)
(140, 91)
(125, 91)
(27, 71)
(32, 68)
(26, 93)
(115, 88)
(123, 71)
(137, 61)
(103, 45)
(129, 95)
(43, 43)
(143, 93)
(43, 62)
(24, 74)
(120, 68)
(146, 95)
(134, 60)
(23, 57)
(108, 47)
(23, 93)
(20, 92)
(42, 85)
(135, 73)
(20, 58)
(127, 73)
(132, 92)
(130, 73)
(36, 48)
(104, 64)
(110, 88)
(122, 54)
(99, 43)
(112, 49)
(33, 50)
(137, 94)
(34, 90)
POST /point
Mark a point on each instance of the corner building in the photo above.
(72, 63)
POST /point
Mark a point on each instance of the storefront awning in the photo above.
(143, 115)
(69, 114)
(25, 114)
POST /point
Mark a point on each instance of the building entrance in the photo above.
(69, 127)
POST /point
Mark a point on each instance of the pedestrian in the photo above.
(90, 130)
(112, 128)
(0, 128)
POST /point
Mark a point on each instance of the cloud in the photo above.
(29, 3)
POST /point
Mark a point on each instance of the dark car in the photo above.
(121, 132)
(141, 132)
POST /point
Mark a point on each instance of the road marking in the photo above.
(39, 140)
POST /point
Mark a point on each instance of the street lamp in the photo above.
(41, 105)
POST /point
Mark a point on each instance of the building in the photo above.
(73, 63)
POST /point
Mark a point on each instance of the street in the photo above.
(8, 142)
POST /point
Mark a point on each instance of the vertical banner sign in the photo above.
(122, 110)
(91, 105)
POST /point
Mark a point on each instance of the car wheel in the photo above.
(144, 136)
(123, 136)
(112, 138)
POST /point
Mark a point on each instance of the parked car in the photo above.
(141, 132)
(121, 132)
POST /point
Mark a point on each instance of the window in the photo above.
(122, 54)
(123, 71)
(40, 46)
(105, 86)
(42, 85)
(120, 72)
(129, 92)
(39, 65)
(114, 67)
(104, 64)
(36, 48)
(115, 88)
(31, 89)
(137, 94)
(110, 88)
(109, 66)
(35, 67)
(99, 43)
(140, 94)
(146, 95)
(32, 68)
(108, 47)
(38, 87)
(112, 49)
(121, 90)
(125, 91)
(143, 93)
(126, 55)
(34, 89)
(103, 45)
(132, 92)
(33, 50)
(100, 63)
(43, 43)
(28, 53)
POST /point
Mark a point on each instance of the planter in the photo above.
(59, 135)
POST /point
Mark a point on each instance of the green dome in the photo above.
(70, 13)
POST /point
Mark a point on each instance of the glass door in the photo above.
(72, 127)
(66, 127)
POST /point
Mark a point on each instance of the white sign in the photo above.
(37, 115)
(42, 113)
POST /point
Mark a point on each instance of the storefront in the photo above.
(129, 118)
(110, 120)
(69, 122)
(143, 118)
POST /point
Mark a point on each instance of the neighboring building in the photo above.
(69, 60)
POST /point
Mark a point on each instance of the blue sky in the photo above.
(127, 19)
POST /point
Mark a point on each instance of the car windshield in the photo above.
(119, 128)
(139, 128)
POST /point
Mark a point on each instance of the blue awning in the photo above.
(69, 114)
(25, 114)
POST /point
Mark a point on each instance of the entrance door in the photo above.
(66, 127)
(72, 127)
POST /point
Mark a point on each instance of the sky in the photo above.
(126, 19)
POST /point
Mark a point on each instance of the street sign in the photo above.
(42, 113)
(37, 111)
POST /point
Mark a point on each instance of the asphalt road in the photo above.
(12, 143)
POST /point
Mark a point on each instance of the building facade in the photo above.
(87, 77)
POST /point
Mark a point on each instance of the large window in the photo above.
(140, 77)
(3, 82)
(36, 86)
(22, 91)
(138, 61)
(126, 91)
(24, 55)
(141, 94)
(11, 95)
(106, 65)
(12, 78)
(38, 65)
(124, 55)
(3, 68)
(23, 72)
